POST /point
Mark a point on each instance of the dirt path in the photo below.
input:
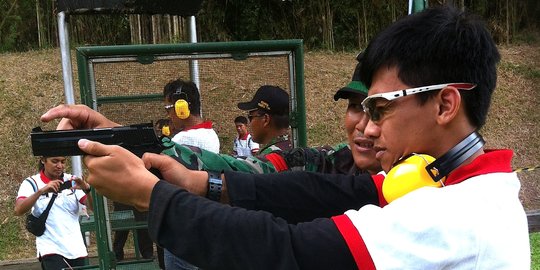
(27, 264)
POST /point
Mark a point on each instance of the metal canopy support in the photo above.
(102, 226)
(63, 36)
(194, 64)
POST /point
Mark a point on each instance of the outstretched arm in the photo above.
(301, 196)
(217, 236)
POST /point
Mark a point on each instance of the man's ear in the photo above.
(449, 104)
(266, 118)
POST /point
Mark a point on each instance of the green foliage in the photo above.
(9, 36)
(528, 71)
(323, 24)
(100, 27)
(11, 233)
(527, 37)
(17, 29)
(535, 250)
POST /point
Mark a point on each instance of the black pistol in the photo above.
(138, 139)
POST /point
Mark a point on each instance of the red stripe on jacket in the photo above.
(354, 241)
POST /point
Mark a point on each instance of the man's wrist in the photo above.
(215, 186)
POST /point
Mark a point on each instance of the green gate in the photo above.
(125, 83)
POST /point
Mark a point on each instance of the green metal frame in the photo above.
(147, 54)
(419, 5)
(238, 50)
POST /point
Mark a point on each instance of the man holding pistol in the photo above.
(431, 76)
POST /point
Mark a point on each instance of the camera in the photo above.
(65, 185)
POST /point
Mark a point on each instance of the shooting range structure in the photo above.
(137, 97)
(125, 84)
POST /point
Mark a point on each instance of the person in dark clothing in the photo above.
(430, 77)
(268, 114)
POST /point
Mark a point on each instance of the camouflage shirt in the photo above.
(335, 160)
(281, 143)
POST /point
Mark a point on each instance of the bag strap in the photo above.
(45, 213)
(33, 183)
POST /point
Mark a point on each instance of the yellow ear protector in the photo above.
(409, 174)
(181, 106)
(165, 130)
(420, 170)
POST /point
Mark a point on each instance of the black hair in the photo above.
(162, 122)
(180, 89)
(41, 165)
(241, 119)
(435, 46)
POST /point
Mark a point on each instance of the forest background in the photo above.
(322, 24)
(332, 31)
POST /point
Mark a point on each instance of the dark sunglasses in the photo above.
(376, 113)
(251, 116)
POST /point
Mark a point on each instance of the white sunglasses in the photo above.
(375, 112)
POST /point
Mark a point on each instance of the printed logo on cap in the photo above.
(264, 105)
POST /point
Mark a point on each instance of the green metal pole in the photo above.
(419, 5)
(300, 96)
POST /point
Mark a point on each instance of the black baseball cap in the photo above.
(354, 87)
(271, 99)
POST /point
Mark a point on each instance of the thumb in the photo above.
(93, 148)
(152, 160)
(154, 163)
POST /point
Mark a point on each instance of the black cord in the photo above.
(442, 166)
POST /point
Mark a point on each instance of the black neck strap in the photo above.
(455, 157)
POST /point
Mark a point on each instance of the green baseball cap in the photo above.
(354, 87)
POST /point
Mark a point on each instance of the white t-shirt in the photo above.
(201, 135)
(63, 232)
(245, 146)
(408, 233)
(475, 224)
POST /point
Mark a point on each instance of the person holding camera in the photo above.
(61, 245)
